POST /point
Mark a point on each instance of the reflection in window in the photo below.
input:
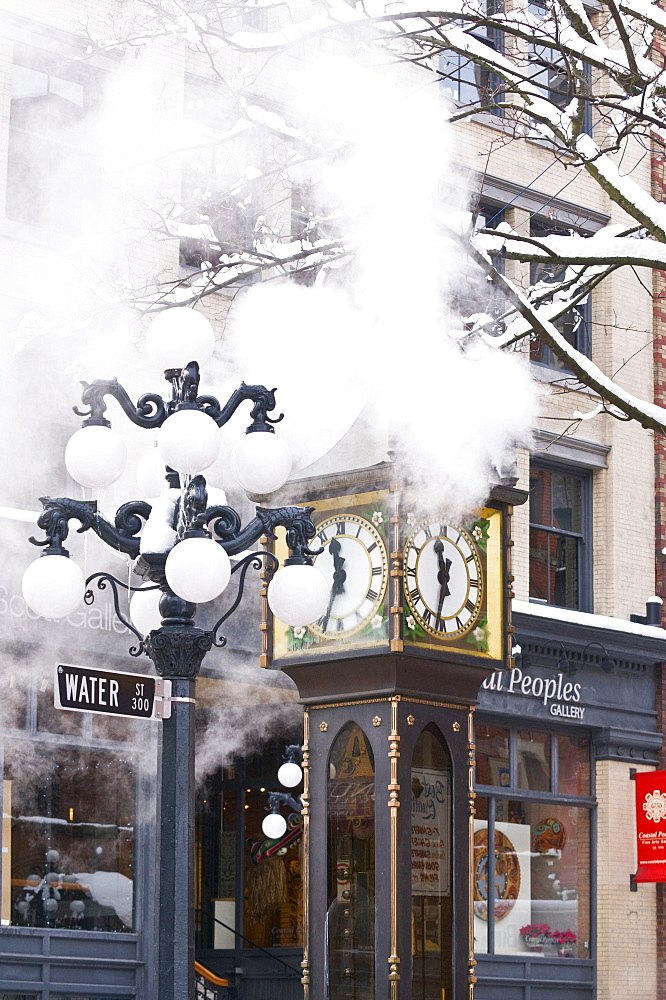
(221, 182)
(431, 867)
(477, 296)
(492, 755)
(273, 898)
(467, 82)
(556, 536)
(52, 176)
(350, 920)
(68, 821)
(574, 325)
(574, 765)
(534, 761)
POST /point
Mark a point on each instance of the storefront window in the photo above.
(248, 888)
(68, 831)
(431, 867)
(574, 765)
(532, 891)
(273, 885)
(492, 755)
(534, 761)
(350, 920)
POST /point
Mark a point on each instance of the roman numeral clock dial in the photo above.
(444, 586)
(355, 564)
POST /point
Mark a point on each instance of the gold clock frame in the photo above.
(275, 641)
(395, 637)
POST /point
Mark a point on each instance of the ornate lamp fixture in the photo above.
(183, 554)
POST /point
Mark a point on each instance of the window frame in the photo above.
(494, 39)
(584, 536)
(582, 341)
(33, 138)
(514, 792)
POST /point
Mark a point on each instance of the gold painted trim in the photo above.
(394, 805)
(341, 704)
(349, 500)
(396, 644)
(435, 704)
(264, 627)
(471, 764)
(397, 697)
(305, 812)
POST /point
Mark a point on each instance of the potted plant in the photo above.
(535, 936)
(566, 943)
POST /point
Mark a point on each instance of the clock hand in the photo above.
(339, 577)
(443, 575)
(339, 574)
(444, 568)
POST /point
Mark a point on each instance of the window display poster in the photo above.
(651, 826)
(512, 894)
(431, 831)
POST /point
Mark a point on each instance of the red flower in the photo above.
(535, 930)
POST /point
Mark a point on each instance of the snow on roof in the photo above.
(590, 620)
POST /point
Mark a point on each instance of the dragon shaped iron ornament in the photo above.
(192, 518)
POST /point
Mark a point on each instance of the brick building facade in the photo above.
(583, 562)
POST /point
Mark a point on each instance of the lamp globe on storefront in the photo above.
(195, 545)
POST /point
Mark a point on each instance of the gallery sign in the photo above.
(651, 826)
(559, 695)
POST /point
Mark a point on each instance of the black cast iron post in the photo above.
(177, 649)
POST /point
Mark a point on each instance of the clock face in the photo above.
(443, 578)
(355, 564)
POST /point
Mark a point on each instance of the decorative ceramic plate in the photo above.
(507, 875)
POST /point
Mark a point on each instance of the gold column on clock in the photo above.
(418, 616)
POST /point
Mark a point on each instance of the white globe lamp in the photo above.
(95, 456)
(53, 586)
(145, 611)
(289, 775)
(274, 826)
(177, 336)
(298, 594)
(189, 441)
(197, 569)
(261, 462)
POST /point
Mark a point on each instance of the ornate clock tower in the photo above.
(418, 616)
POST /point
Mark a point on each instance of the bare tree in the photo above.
(585, 82)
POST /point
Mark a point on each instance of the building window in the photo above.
(558, 79)
(68, 838)
(534, 803)
(468, 83)
(432, 895)
(350, 918)
(248, 890)
(560, 531)
(575, 325)
(478, 294)
(52, 169)
(221, 189)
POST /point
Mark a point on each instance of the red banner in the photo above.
(651, 826)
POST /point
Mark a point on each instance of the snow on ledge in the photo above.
(590, 620)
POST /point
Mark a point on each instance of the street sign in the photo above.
(110, 692)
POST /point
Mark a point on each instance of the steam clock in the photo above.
(418, 616)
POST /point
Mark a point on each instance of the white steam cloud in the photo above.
(380, 335)
(384, 332)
